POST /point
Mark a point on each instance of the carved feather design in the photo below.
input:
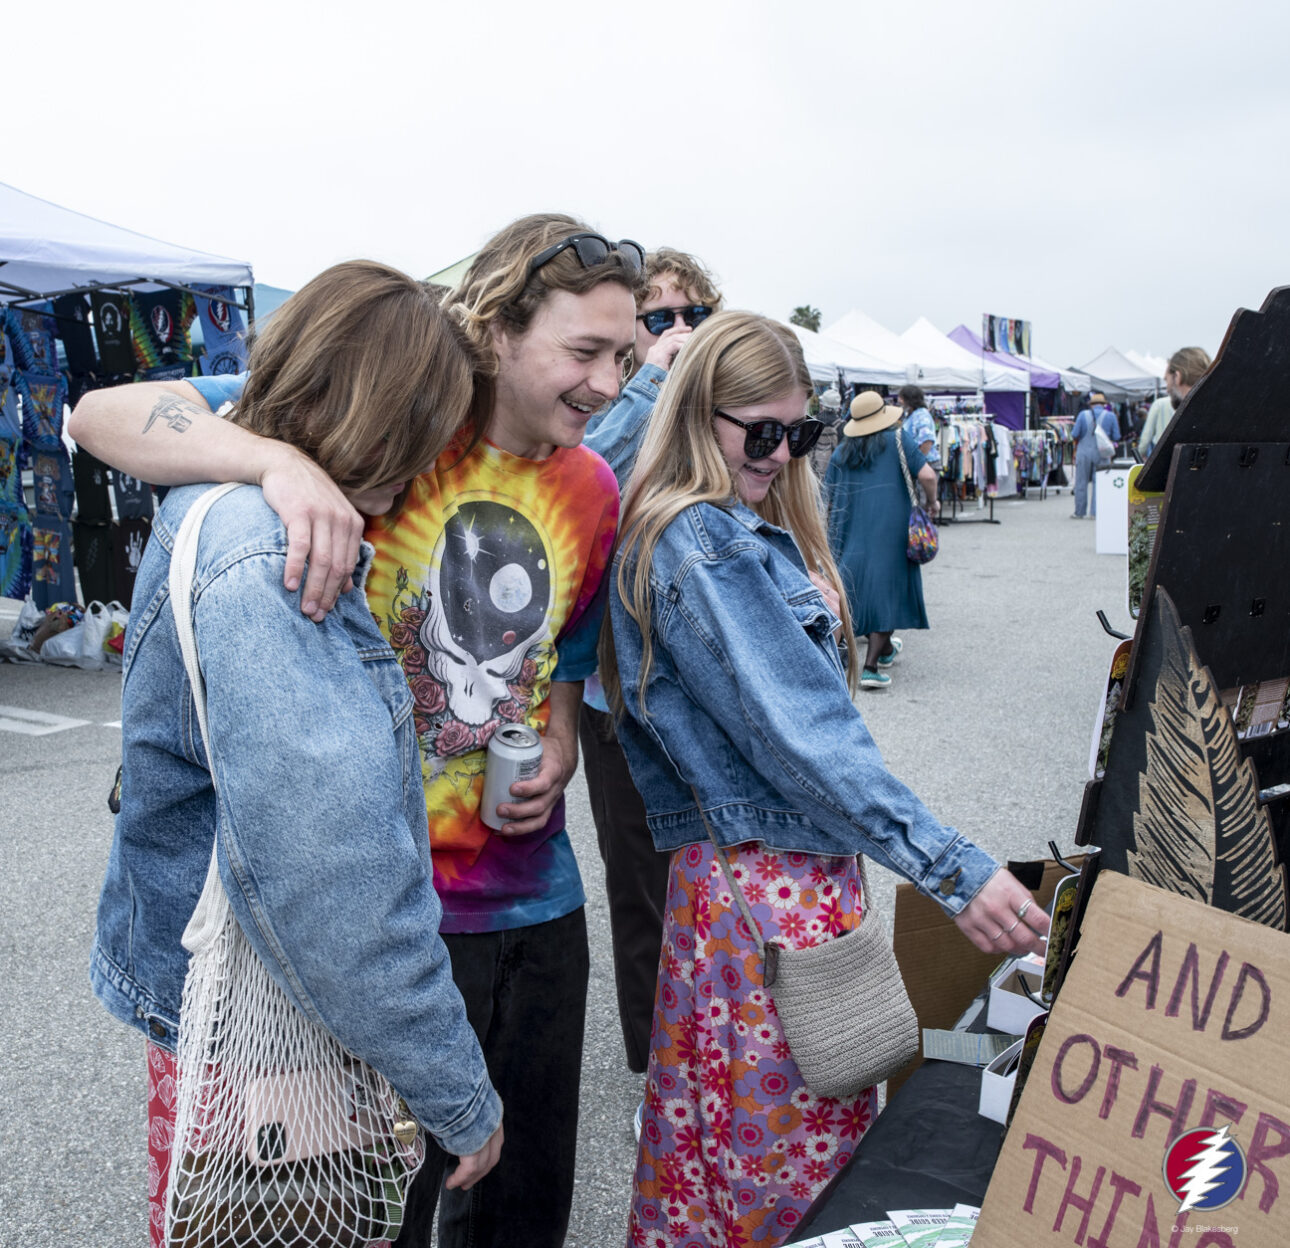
(1199, 828)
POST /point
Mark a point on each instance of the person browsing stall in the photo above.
(721, 658)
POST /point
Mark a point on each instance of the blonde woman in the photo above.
(723, 659)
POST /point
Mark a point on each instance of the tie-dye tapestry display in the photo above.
(31, 335)
(223, 331)
(112, 330)
(10, 473)
(52, 572)
(15, 553)
(159, 327)
(72, 318)
(10, 421)
(43, 396)
(51, 475)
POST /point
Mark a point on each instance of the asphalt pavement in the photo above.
(989, 719)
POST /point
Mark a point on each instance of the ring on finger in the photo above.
(1025, 905)
(1006, 930)
(996, 936)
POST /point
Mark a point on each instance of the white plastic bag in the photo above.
(1105, 447)
(18, 647)
(94, 630)
(120, 619)
(64, 648)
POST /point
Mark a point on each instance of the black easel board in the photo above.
(1245, 400)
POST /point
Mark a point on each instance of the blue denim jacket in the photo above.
(322, 841)
(747, 701)
(616, 431)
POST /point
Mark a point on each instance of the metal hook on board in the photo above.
(1111, 632)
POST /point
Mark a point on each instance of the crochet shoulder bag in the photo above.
(282, 1137)
(846, 1015)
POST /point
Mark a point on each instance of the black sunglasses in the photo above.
(591, 250)
(659, 319)
(762, 437)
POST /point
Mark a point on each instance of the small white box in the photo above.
(997, 1080)
(1010, 1009)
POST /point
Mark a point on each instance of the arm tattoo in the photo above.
(173, 410)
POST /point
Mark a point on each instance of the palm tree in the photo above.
(807, 317)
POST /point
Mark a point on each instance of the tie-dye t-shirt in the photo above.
(488, 585)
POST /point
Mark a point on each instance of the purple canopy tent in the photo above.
(1007, 409)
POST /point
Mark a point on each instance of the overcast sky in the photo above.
(1115, 171)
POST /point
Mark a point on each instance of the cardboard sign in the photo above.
(1175, 1016)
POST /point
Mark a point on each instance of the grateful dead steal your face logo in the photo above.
(475, 640)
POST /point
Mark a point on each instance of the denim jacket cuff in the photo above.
(957, 875)
(471, 1130)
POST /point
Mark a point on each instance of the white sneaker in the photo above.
(638, 1122)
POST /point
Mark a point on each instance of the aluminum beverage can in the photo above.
(514, 753)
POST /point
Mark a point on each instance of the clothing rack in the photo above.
(967, 446)
(1036, 453)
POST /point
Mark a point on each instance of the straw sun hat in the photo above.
(869, 414)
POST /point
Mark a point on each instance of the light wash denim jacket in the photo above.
(747, 701)
(616, 431)
(322, 841)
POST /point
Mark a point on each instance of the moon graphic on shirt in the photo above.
(510, 588)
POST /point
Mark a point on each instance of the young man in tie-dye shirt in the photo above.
(489, 585)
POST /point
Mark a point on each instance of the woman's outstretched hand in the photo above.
(1004, 918)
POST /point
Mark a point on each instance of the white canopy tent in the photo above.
(863, 333)
(1122, 373)
(826, 358)
(940, 359)
(1073, 382)
(47, 250)
(1152, 364)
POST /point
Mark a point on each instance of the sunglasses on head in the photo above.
(591, 250)
(659, 319)
(762, 437)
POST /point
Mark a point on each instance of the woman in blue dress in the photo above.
(869, 529)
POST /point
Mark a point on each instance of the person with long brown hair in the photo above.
(319, 820)
(722, 657)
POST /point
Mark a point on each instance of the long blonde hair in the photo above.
(734, 359)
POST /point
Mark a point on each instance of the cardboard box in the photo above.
(997, 1080)
(1010, 1009)
(942, 969)
(1175, 1017)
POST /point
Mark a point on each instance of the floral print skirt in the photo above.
(734, 1146)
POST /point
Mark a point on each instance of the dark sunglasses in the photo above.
(659, 319)
(591, 250)
(762, 437)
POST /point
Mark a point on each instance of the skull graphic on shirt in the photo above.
(490, 592)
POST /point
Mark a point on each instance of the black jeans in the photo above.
(636, 879)
(526, 996)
